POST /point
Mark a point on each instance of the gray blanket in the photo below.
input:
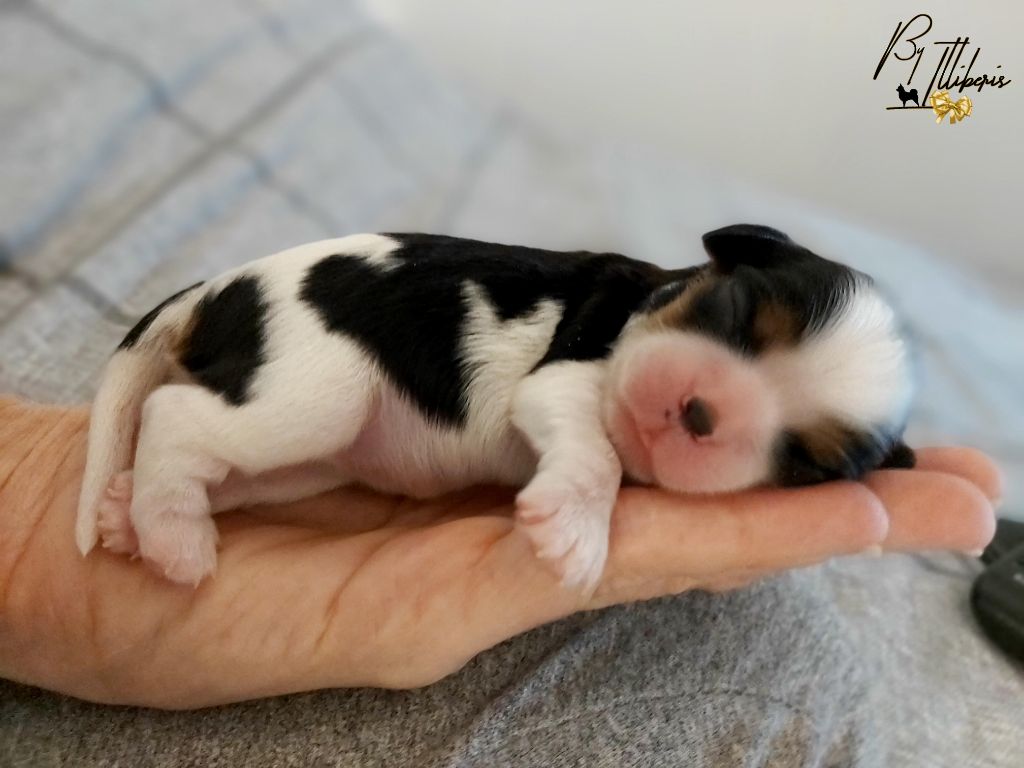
(146, 146)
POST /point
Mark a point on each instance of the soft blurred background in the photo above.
(148, 145)
(781, 94)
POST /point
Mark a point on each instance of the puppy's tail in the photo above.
(141, 363)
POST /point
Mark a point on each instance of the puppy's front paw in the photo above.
(567, 521)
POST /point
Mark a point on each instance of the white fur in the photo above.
(855, 368)
(502, 353)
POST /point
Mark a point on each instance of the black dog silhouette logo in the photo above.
(906, 95)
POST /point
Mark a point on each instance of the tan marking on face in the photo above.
(675, 314)
(826, 442)
(775, 325)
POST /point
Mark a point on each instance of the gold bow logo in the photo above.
(943, 105)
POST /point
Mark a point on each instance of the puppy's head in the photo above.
(769, 365)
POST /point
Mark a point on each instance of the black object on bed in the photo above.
(998, 594)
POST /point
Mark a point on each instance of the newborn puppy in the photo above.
(421, 364)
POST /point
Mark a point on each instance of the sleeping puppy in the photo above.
(421, 364)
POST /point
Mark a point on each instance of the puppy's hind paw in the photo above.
(181, 546)
(113, 521)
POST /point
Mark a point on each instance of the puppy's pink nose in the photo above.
(698, 417)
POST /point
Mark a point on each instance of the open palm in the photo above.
(354, 588)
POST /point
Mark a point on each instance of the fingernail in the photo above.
(976, 552)
(875, 550)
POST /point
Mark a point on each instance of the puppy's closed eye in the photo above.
(723, 312)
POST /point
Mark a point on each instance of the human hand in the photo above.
(352, 588)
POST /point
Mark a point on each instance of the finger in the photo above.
(656, 533)
(969, 463)
(933, 510)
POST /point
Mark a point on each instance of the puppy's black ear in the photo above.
(901, 456)
(753, 245)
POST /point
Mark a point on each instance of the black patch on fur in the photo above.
(861, 453)
(225, 346)
(725, 312)
(751, 244)
(410, 314)
(758, 266)
(795, 466)
(901, 456)
(140, 327)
